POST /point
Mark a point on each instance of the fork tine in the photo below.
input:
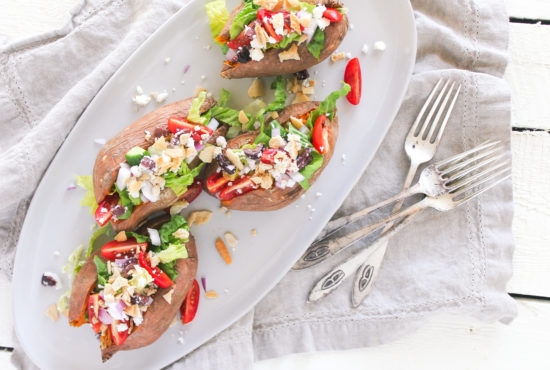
(482, 181)
(470, 179)
(428, 119)
(479, 191)
(424, 107)
(440, 111)
(454, 158)
(447, 116)
(472, 164)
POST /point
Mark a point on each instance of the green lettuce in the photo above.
(328, 105)
(179, 181)
(195, 110)
(75, 262)
(317, 43)
(280, 95)
(287, 40)
(304, 140)
(170, 227)
(245, 16)
(224, 98)
(218, 15)
(307, 6)
(172, 253)
(310, 169)
(96, 234)
(86, 183)
(102, 272)
(139, 238)
(169, 269)
(63, 301)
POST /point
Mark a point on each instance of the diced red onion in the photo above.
(117, 310)
(203, 280)
(154, 235)
(104, 316)
(296, 176)
(198, 146)
(231, 55)
(71, 187)
(186, 68)
(213, 124)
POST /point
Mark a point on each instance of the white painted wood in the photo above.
(531, 171)
(446, 342)
(533, 9)
(528, 74)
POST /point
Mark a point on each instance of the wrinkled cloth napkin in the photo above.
(46, 83)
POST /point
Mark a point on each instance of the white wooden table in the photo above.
(457, 342)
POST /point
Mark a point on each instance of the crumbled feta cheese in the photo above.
(379, 46)
(182, 82)
(167, 60)
(139, 90)
(256, 54)
(318, 194)
(168, 296)
(351, 26)
(348, 55)
(365, 49)
(141, 100)
(56, 253)
(221, 142)
(303, 196)
(203, 77)
(318, 11)
(160, 97)
(323, 23)
(226, 291)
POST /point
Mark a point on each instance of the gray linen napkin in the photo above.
(46, 83)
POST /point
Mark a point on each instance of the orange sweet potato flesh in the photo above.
(160, 313)
(270, 65)
(275, 198)
(114, 152)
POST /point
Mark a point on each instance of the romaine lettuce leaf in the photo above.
(328, 105)
(96, 234)
(179, 181)
(170, 227)
(195, 110)
(139, 238)
(310, 169)
(245, 16)
(287, 40)
(172, 253)
(218, 15)
(169, 269)
(317, 43)
(102, 272)
(75, 262)
(86, 183)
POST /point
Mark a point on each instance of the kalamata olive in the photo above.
(148, 163)
(304, 158)
(118, 210)
(128, 265)
(49, 279)
(302, 75)
(141, 300)
(225, 164)
(161, 131)
(243, 55)
(254, 153)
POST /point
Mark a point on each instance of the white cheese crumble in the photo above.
(221, 142)
(160, 97)
(365, 49)
(379, 46)
(256, 54)
(167, 60)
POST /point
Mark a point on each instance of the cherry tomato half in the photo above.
(103, 212)
(176, 125)
(332, 15)
(216, 182)
(265, 16)
(159, 277)
(352, 76)
(119, 336)
(113, 249)
(193, 191)
(321, 133)
(238, 187)
(188, 308)
(93, 306)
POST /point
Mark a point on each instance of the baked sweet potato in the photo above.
(276, 198)
(113, 153)
(270, 65)
(159, 314)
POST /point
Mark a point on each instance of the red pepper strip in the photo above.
(103, 212)
(321, 133)
(113, 249)
(176, 124)
(216, 182)
(159, 277)
(238, 187)
(265, 17)
(244, 38)
(352, 76)
(119, 336)
(193, 191)
(268, 156)
(188, 309)
(332, 15)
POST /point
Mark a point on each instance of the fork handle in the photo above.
(339, 223)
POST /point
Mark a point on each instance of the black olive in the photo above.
(304, 158)
(302, 75)
(226, 165)
(243, 55)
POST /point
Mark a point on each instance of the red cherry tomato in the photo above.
(238, 187)
(93, 305)
(352, 76)
(176, 125)
(268, 156)
(265, 16)
(332, 15)
(321, 133)
(159, 277)
(216, 182)
(119, 336)
(113, 249)
(244, 38)
(189, 306)
(193, 191)
(103, 212)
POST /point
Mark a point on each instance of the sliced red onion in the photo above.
(198, 146)
(213, 124)
(104, 316)
(186, 68)
(116, 310)
(154, 235)
(231, 55)
(203, 280)
(71, 187)
(296, 176)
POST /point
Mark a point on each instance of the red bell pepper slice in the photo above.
(352, 76)
(103, 212)
(113, 249)
(119, 336)
(265, 16)
(238, 187)
(93, 301)
(244, 38)
(176, 124)
(159, 277)
(216, 182)
(268, 156)
(321, 133)
(332, 15)
(193, 191)
(188, 309)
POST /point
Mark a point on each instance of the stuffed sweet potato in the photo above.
(149, 165)
(265, 171)
(269, 38)
(130, 291)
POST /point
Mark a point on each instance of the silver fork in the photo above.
(465, 186)
(420, 145)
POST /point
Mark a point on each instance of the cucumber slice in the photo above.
(134, 155)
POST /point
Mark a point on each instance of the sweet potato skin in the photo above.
(160, 314)
(275, 198)
(270, 65)
(114, 151)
